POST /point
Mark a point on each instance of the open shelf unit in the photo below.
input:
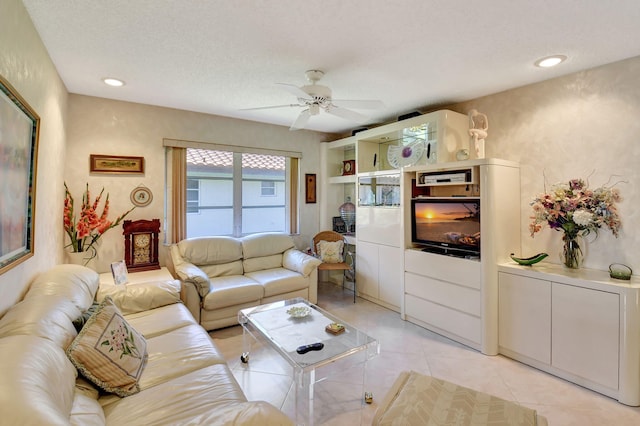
(379, 233)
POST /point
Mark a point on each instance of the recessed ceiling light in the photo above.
(113, 82)
(550, 61)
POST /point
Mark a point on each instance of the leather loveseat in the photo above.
(183, 377)
(221, 275)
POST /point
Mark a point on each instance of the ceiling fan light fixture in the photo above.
(550, 61)
(314, 109)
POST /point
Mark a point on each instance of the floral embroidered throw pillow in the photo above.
(331, 252)
(109, 352)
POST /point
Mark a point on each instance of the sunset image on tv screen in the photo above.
(451, 223)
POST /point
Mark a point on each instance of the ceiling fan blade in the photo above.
(301, 121)
(361, 104)
(347, 114)
(271, 107)
(294, 90)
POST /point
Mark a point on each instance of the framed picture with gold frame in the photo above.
(19, 128)
(99, 163)
(310, 188)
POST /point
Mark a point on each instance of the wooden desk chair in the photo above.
(347, 265)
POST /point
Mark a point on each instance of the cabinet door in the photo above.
(367, 269)
(390, 272)
(524, 318)
(586, 332)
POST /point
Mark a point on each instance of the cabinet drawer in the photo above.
(443, 293)
(449, 320)
(444, 268)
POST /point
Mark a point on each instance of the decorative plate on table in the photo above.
(299, 311)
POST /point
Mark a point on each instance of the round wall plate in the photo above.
(141, 196)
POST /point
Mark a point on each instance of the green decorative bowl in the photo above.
(528, 261)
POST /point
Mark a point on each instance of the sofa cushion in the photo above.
(265, 244)
(209, 396)
(331, 251)
(279, 281)
(233, 290)
(223, 269)
(264, 262)
(109, 352)
(139, 297)
(86, 410)
(210, 250)
(161, 320)
(177, 353)
(37, 382)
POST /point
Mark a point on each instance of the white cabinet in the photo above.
(579, 325)
(585, 332)
(524, 325)
(379, 274)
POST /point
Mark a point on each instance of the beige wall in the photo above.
(582, 125)
(25, 63)
(101, 126)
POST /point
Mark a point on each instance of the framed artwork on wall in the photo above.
(115, 164)
(19, 127)
(310, 188)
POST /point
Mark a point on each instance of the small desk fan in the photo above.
(405, 155)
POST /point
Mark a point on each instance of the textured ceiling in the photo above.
(220, 56)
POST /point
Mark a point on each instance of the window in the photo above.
(236, 193)
(268, 188)
(193, 196)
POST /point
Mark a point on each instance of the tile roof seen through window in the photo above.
(206, 157)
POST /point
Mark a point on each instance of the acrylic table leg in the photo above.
(247, 339)
(304, 382)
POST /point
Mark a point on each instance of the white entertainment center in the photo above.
(454, 291)
(579, 325)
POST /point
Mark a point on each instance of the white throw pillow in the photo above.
(331, 252)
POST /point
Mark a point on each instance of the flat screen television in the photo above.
(448, 226)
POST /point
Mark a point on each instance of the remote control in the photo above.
(312, 347)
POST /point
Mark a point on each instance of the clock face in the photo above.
(141, 240)
(347, 167)
(142, 249)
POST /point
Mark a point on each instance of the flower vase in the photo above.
(78, 258)
(572, 251)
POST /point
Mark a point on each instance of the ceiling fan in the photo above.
(314, 97)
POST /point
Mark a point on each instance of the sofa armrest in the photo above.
(132, 298)
(188, 272)
(300, 262)
(191, 299)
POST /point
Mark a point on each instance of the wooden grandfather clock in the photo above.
(141, 244)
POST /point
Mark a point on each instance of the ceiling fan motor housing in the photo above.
(319, 94)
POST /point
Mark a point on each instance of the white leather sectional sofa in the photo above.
(221, 275)
(184, 379)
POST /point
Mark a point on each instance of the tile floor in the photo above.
(405, 346)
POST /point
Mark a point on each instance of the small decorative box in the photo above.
(335, 328)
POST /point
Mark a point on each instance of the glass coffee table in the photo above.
(292, 324)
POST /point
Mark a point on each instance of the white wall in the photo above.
(101, 126)
(582, 125)
(24, 62)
